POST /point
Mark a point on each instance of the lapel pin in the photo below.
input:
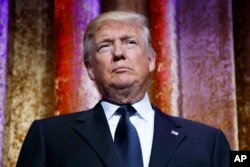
(174, 132)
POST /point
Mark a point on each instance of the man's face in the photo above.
(119, 57)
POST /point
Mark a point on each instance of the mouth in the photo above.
(121, 69)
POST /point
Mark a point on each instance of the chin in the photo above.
(123, 85)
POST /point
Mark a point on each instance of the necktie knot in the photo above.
(126, 109)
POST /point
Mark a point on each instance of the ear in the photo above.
(151, 63)
(90, 71)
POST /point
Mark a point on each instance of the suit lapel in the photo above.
(94, 128)
(167, 137)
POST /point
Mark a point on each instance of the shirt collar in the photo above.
(143, 107)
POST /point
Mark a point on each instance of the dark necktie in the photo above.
(127, 142)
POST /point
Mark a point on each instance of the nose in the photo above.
(118, 52)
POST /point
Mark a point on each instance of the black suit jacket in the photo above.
(83, 139)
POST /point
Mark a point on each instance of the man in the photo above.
(123, 129)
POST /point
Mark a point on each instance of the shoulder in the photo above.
(196, 132)
(61, 122)
(200, 142)
(189, 126)
(64, 118)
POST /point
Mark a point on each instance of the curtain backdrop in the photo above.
(242, 59)
(164, 86)
(206, 64)
(74, 90)
(202, 63)
(30, 77)
(3, 60)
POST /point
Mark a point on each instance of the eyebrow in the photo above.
(127, 37)
(122, 38)
(104, 40)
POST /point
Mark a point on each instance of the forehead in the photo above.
(113, 28)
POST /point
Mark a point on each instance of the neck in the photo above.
(124, 96)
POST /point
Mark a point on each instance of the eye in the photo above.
(130, 43)
(104, 47)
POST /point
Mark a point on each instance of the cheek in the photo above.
(101, 67)
(102, 59)
(142, 61)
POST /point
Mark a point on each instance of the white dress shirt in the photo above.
(143, 121)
